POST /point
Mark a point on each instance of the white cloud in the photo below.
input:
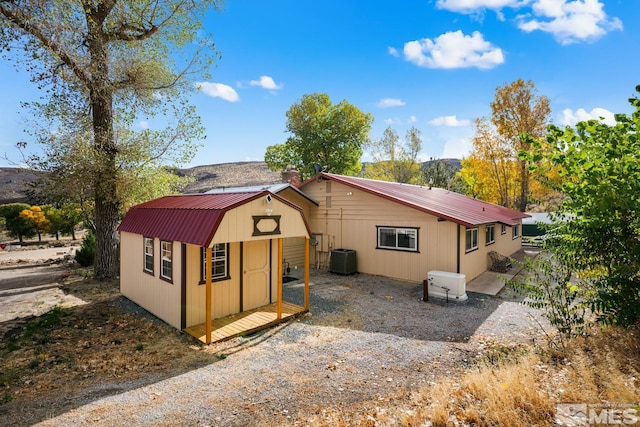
(474, 6)
(454, 50)
(449, 121)
(390, 102)
(570, 21)
(218, 90)
(393, 51)
(266, 82)
(143, 124)
(390, 121)
(570, 118)
(412, 119)
(456, 148)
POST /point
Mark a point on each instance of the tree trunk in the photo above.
(524, 187)
(107, 205)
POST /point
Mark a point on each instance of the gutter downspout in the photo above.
(458, 257)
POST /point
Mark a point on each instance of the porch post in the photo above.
(306, 274)
(207, 317)
(279, 301)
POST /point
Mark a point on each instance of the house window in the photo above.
(403, 239)
(219, 262)
(471, 239)
(490, 234)
(166, 253)
(148, 255)
(503, 229)
(516, 231)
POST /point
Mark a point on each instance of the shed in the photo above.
(211, 264)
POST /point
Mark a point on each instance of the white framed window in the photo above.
(515, 231)
(503, 229)
(490, 234)
(219, 262)
(166, 255)
(148, 255)
(402, 239)
(471, 243)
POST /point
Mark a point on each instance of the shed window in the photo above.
(148, 255)
(503, 229)
(219, 262)
(166, 253)
(516, 231)
(490, 234)
(403, 239)
(471, 239)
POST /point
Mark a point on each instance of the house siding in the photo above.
(477, 262)
(149, 291)
(351, 223)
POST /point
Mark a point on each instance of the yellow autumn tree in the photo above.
(493, 171)
(36, 218)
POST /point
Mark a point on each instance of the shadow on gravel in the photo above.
(382, 305)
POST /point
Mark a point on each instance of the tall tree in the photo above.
(395, 161)
(330, 135)
(101, 57)
(516, 110)
(597, 229)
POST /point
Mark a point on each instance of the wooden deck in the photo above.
(246, 322)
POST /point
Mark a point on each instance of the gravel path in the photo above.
(368, 338)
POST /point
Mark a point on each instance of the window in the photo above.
(148, 255)
(503, 229)
(490, 234)
(471, 239)
(166, 253)
(404, 239)
(219, 262)
(516, 231)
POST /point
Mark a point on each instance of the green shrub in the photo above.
(86, 254)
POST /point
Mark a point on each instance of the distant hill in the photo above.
(14, 182)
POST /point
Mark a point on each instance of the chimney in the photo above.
(291, 176)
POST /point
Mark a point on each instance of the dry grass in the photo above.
(515, 387)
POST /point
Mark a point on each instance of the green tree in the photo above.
(442, 173)
(394, 161)
(17, 226)
(597, 232)
(102, 59)
(322, 133)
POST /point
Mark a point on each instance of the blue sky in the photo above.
(432, 64)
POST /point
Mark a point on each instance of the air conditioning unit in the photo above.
(444, 284)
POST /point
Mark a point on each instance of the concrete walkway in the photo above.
(491, 282)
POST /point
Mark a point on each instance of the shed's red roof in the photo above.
(190, 218)
(442, 203)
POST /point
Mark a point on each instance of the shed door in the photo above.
(255, 292)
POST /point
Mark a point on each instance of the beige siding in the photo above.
(476, 262)
(351, 223)
(225, 296)
(149, 291)
(293, 252)
(237, 224)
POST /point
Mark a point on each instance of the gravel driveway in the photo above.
(367, 338)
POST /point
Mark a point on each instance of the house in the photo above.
(211, 264)
(403, 231)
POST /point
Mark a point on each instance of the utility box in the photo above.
(343, 261)
(444, 284)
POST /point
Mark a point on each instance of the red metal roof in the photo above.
(190, 219)
(442, 203)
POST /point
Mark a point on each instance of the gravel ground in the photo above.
(367, 338)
